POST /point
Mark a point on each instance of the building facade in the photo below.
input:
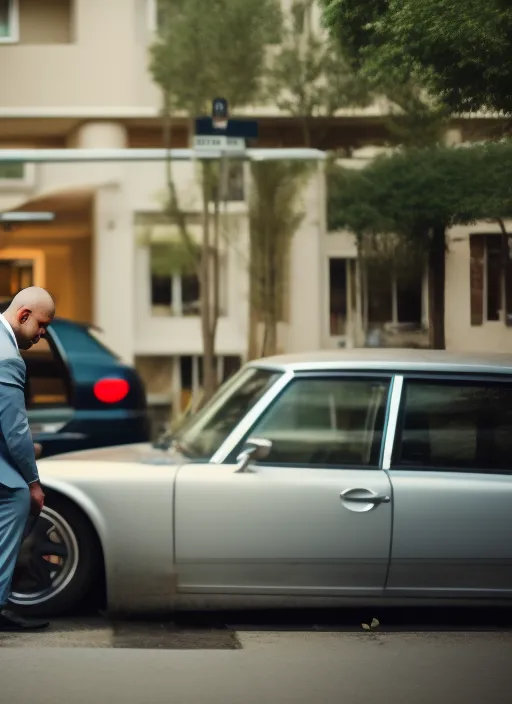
(74, 75)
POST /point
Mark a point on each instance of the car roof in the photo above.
(390, 360)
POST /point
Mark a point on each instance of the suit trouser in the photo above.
(14, 512)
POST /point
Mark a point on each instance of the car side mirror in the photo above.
(255, 449)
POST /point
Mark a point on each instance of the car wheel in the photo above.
(59, 561)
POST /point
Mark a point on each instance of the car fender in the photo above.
(131, 507)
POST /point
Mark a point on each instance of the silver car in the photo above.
(324, 479)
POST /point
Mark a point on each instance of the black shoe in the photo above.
(9, 621)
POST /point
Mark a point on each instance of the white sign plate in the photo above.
(227, 144)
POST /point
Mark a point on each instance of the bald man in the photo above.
(21, 326)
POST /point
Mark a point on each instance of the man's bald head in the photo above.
(34, 297)
(29, 314)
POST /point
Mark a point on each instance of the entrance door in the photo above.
(313, 518)
(15, 274)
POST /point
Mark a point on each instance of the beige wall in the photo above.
(104, 67)
(492, 336)
(305, 330)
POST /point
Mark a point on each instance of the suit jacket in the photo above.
(17, 459)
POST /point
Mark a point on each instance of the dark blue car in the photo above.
(80, 395)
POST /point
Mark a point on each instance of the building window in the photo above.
(12, 171)
(14, 276)
(337, 296)
(175, 288)
(173, 293)
(191, 375)
(9, 21)
(456, 425)
(490, 274)
(393, 297)
(234, 190)
(156, 11)
(231, 365)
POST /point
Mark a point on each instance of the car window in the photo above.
(455, 425)
(207, 429)
(46, 380)
(326, 422)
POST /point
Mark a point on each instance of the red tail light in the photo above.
(111, 390)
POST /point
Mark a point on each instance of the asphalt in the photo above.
(277, 667)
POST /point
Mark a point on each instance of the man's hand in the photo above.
(38, 450)
(36, 498)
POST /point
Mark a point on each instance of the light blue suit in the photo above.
(17, 459)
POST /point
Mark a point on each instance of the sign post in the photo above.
(220, 133)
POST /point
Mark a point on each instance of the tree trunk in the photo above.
(269, 298)
(208, 331)
(252, 343)
(272, 300)
(436, 287)
(306, 131)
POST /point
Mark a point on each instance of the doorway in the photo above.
(15, 274)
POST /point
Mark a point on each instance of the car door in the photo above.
(314, 517)
(47, 392)
(451, 474)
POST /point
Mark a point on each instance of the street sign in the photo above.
(230, 145)
(246, 129)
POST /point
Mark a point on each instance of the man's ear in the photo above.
(23, 315)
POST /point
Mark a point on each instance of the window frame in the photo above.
(479, 279)
(176, 291)
(486, 282)
(14, 24)
(394, 322)
(25, 183)
(475, 378)
(349, 273)
(233, 449)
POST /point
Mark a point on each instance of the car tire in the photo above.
(80, 567)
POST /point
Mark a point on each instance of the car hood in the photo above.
(142, 453)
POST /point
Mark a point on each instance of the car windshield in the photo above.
(207, 429)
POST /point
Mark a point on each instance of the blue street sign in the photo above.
(248, 129)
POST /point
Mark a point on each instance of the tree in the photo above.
(459, 53)
(405, 202)
(308, 75)
(274, 216)
(199, 54)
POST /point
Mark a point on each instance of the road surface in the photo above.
(284, 660)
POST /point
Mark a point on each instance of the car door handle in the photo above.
(371, 498)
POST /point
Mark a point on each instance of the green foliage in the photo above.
(308, 75)
(418, 122)
(413, 191)
(460, 52)
(217, 48)
(275, 214)
(173, 258)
